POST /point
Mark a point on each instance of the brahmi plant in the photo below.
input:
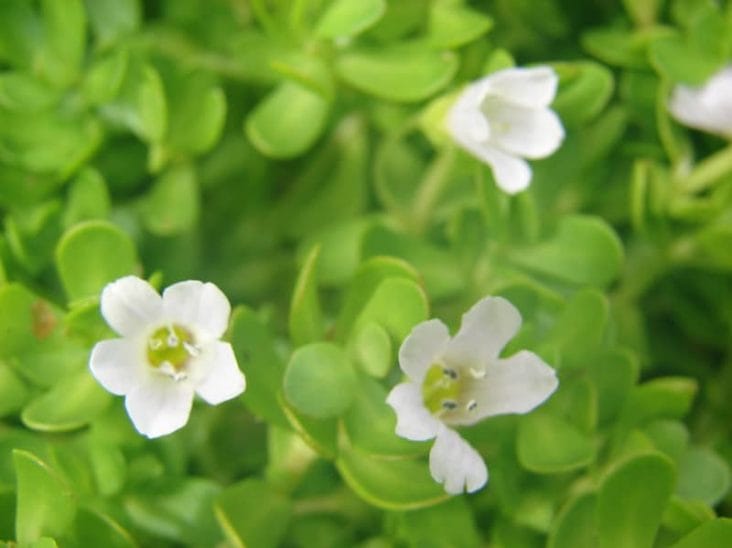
(371, 273)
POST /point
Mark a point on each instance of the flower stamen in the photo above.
(169, 349)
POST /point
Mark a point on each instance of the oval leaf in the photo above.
(320, 380)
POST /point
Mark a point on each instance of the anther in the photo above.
(450, 373)
(472, 405)
(477, 374)
(192, 349)
(449, 405)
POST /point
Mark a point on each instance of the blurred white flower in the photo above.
(708, 107)
(504, 118)
(169, 350)
(461, 380)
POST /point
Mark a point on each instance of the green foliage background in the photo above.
(292, 152)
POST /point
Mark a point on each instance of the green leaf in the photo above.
(25, 320)
(13, 391)
(575, 527)
(631, 501)
(614, 373)
(670, 437)
(180, 509)
(88, 198)
(46, 505)
(95, 528)
(197, 112)
(390, 484)
(405, 73)
(682, 515)
(367, 278)
(306, 321)
(141, 105)
(661, 398)
(716, 532)
(320, 434)
(23, 92)
(703, 475)
(72, 403)
(92, 254)
(584, 250)
(64, 26)
(288, 121)
(347, 18)
(320, 380)
(172, 205)
(371, 349)
(398, 304)
(547, 445)
(579, 330)
(370, 424)
(680, 61)
(584, 90)
(104, 78)
(252, 513)
(255, 351)
(113, 19)
(426, 526)
(452, 26)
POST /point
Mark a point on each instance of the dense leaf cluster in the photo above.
(293, 152)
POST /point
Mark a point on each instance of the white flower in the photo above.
(504, 118)
(708, 107)
(169, 350)
(460, 380)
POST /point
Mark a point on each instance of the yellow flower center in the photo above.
(170, 344)
(443, 390)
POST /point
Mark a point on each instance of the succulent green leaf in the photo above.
(346, 18)
(172, 205)
(288, 121)
(547, 445)
(717, 532)
(72, 403)
(46, 505)
(254, 347)
(320, 380)
(405, 73)
(92, 254)
(390, 484)
(252, 513)
(575, 527)
(631, 501)
(584, 250)
(306, 321)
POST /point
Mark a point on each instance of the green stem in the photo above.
(708, 172)
(431, 188)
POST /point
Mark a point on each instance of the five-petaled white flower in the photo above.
(169, 349)
(505, 117)
(460, 380)
(708, 107)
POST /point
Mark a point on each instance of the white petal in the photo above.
(222, 379)
(703, 109)
(484, 331)
(130, 305)
(159, 406)
(118, 365)
(531, 87)
(197, 304)
(454, 463)
(414, 421)
(512, 174)
(422, 348)
(515, 385)
(528, 132)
